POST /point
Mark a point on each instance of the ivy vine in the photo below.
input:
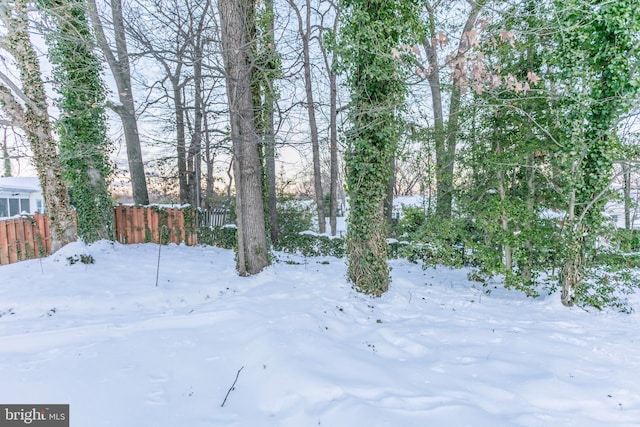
(372, 31)
(83, 143)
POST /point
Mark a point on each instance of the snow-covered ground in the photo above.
(303, 348)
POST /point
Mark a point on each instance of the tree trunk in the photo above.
(196, 137)
(570, 274)
(82, 131)
(446, 147)
(371, 30)
(126, 110)
(333, 143)
(305, 35)
(209, 158)
(270, 166)
(504, 221)
(180, 142)
(333, 128)
(525, 269)
(627, 195)
(442, 204)
(252, 243)
(5, 155)
(35, 122)
(626, 173)
(270, 133)
(388, 202)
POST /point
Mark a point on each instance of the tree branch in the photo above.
(11, 106)
(100, 35)
(232, 386)
(11, 85)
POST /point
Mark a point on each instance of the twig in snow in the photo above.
(159, 249)
(232, 387)
(158, 267)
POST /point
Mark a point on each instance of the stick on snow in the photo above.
(232, 387)
(158, 267)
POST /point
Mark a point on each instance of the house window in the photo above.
(39, 206)
(11, 207)
(14, 207)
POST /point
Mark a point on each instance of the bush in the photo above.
(222, 237)
(296, 219)
(626, 240)
(435, 242)
(294, 216)
(311, 244)
(412, 219)
(607, 288)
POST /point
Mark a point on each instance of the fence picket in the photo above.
(42, 236)
(4, 243)
(24, 238)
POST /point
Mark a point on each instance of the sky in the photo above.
(296, 346)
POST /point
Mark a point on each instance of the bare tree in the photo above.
(252, 254)
(169, 49)
(180, 37)
(329, 63)
(119, 64)
(304, 30)
(198, 41)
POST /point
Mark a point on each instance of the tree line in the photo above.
(506, 115)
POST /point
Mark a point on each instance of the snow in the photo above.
(552, 214)
(404, 201)
(341, 228)
(307, 350)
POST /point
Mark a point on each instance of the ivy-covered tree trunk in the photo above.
(372, 33)
(84, 146)
(252, 255)
(272, 69)
(267, 68)
(333, 148)
(602, 52)
(34, 120)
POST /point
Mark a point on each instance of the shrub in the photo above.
(294, 216)
(607, 288)
(412, 219)
(436, 242)
(311, 244)
(222, 237)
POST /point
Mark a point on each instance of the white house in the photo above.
(615, 208)
(20, 194)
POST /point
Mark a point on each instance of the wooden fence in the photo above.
(143, 224)
(29, 237)
(24, 238)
